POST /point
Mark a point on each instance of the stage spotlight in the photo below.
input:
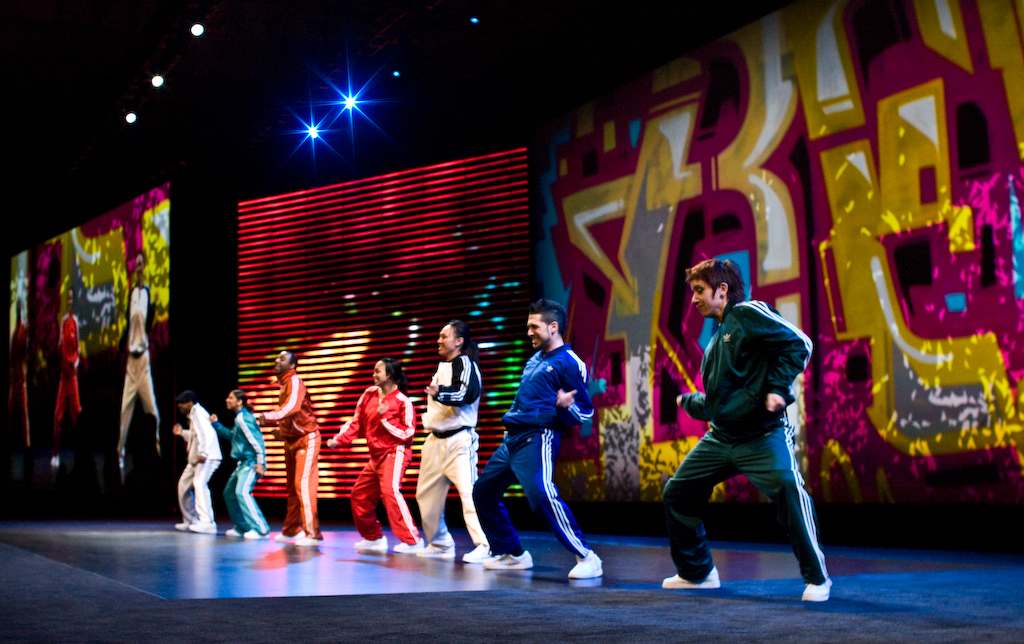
(198, 30)
(396, 73)
(312, 132)
(350, 102)
(158, 80)
(474, 20)
(130, 117)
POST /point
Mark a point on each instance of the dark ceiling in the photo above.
(235, 97)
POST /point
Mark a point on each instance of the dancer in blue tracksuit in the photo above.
(552, 396)
(748, 372)
(248, 449)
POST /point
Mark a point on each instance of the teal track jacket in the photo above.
(246, 438)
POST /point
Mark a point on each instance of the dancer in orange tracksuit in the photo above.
(67, 388)
(297, 427)
(385, 416)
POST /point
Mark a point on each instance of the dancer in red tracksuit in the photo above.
(297, 427)
(67, 388)
(385, 416)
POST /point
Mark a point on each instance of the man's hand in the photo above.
(260, 470)
(275, 433)
(213, 418)
(333, 444)
(565, 399)
(431, 389)
(201, 458)
(261, 420)
(679, 400)
(774, 402)
(176, 430)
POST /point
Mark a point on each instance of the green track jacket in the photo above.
(754, 352)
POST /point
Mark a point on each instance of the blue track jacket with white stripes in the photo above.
(754, 352)
(246, 438)
(534, 405)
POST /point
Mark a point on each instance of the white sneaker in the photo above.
(409, 548)
(678, 583)
(510, 562)
(181, 526)
(437, 552)
(204, 527)
(284, 538)
(818, 592)
(55, 463)
(372, 545)
(478, 555)
(252, 534)
(233, 533)
(308, 542)
(587, 567)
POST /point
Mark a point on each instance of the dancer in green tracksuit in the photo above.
(248, 448)
(748, 371)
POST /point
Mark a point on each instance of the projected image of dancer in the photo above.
(297, 427)
(248, 449)
(203, 460)
(17, 397)
(138, 378)
(449, 453)
(552, 396)
(748, 372)
(67, 390)
(385, 417)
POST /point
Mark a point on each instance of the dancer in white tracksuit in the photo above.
(204, 458)
(450, 451)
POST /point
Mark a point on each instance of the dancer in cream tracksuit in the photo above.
(248, 449)
(138, 378)
(450, 451)
(203, 460)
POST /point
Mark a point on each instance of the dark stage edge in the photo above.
(145, 582)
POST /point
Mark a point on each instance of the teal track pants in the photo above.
(768, 462)
(245, 514)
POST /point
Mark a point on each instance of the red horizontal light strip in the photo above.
(452, 240)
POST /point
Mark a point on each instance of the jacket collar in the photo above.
(282, 377)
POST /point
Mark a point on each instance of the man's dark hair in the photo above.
(462, 330)
(187, 396)
(715, 272)
(393, 368)
(550, 311)
(293, 360)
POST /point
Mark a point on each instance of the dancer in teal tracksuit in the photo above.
(248, 448)
(748, 371)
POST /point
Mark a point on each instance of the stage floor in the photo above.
(155, 559)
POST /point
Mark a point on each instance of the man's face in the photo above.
(233, 404)
(539, 331)
(185, 407)
(448, 345)
(710, 302)
(282, 363)
(380, 374)
(139, 268)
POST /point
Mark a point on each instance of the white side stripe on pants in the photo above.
(805, 500)
(552, 493)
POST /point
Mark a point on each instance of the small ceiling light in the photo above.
(130, 117)
(312, 132)
(474, 20)
(198, 30)
(396, 73)
(158, 80)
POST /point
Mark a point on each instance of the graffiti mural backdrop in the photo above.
(861, 161)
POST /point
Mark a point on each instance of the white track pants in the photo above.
(194, 492)
(138, 383)
(446, 461)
